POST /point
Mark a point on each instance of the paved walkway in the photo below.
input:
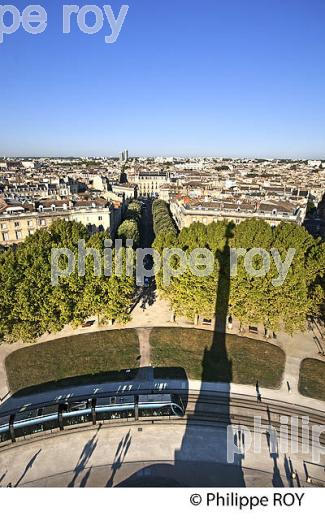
(298, 347)
(145, 347)
(187, 454)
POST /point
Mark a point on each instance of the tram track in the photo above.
(196, 404)
(212, 410)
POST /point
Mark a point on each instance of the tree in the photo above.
(130, 227)
(163, 222)
(252, 299)
(30, 305)
(108, 297)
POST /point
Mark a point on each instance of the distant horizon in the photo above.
(164, 156)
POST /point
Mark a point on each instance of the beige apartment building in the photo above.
(149, 183)
(18, 222)
(185, 213)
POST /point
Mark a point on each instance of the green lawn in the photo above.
(312, 378)
(73, 360)
(232, 358)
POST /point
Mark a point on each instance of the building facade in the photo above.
(149, 183)
(186, 212)
(18, 222)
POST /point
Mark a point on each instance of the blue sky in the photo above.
(185, 77)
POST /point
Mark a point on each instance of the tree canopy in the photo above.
(31, 305)
(163, 222)
(130, 227)
(251, 299)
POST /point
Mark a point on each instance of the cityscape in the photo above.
(221, 350)
(162, 258)
(94, 191)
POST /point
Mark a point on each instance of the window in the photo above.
(29, 223)
(42, 222)
(5, 237)
(18, 235)
(100, 218)
(17, 224)
(3, 226)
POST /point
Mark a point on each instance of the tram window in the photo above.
(82, 405)
(156, 412)
(28, 414)
(70, 420)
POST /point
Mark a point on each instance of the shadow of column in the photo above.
(202, 459)
(218, 471)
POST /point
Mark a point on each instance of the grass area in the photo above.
(80, 359)
(312, 379)
(218, 357)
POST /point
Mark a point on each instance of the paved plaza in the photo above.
(171, 454)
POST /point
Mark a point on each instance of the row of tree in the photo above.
(31, 305)
(251, 299)
(130, 227)
(163, 222)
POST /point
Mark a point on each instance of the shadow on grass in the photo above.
(84, 380)
(145, 377)
(250, 359)
(202, 457)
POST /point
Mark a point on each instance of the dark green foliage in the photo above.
(163, 222)
(252, 299)
(31, 305)
(130, 227)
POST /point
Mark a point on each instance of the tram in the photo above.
(51, 416)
